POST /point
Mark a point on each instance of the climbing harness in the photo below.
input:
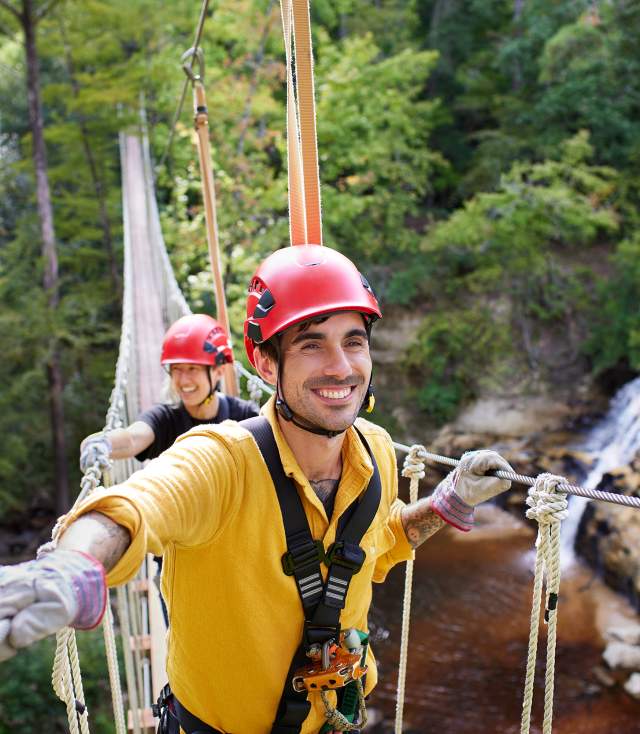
(322, 602)
(548, 506)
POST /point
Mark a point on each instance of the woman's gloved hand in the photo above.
(62, 589)
(95, 449)
(467, 486)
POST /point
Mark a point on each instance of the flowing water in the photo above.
(612, 443)
(469, 635)
(470, 622)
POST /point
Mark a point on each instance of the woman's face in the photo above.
(190, 382)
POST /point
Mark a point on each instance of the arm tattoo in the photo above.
(420, 522)
(324, 488)
(98, 535)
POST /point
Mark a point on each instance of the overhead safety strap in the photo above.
(201, 120)
(302, 150)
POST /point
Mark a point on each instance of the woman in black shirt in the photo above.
(194, 351)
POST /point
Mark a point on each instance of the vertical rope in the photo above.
(61, 678)
(114, 671)
(548, 505)
(125, 632)
(413, 468)
(533, 640)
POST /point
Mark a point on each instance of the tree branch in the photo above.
(41, 12)
(7, 32)
(7, 6)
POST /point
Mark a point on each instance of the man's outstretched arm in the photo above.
(98, 536)
(64, 588)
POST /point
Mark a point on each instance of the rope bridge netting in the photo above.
(152, 301)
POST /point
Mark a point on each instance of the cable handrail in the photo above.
(593, 494)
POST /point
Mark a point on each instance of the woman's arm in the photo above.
(121, 443)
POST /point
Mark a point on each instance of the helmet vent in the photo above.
(264, 305)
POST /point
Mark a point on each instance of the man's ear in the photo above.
(266, 366)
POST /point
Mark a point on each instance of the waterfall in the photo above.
(612, 443)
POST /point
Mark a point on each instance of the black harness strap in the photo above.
(321, 603)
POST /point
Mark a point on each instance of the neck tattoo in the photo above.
(325, 489)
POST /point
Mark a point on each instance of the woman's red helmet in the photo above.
(300, 282)
(196, 339)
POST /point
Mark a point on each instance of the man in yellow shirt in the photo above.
(250, 593)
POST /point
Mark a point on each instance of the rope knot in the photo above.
(547, 503)
(414, 466)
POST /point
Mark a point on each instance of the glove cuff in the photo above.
(88, 581)
(447, 504)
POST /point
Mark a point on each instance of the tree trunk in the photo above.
(49, 254)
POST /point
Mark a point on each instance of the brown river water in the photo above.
(469, 633)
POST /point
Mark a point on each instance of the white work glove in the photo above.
(95, 449)
(38, 598)
(467, 486)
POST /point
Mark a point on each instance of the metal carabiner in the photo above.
(197, 54)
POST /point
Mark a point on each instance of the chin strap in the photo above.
(285, 411)
(210, 396)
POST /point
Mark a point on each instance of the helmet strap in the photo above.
(285, 411)
(210, 396)
(369, 402)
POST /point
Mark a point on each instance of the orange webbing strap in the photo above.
(304, 179)
(297, 218)
(209, 197)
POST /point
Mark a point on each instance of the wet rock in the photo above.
(629, 633)
(622, 655)
(632, 686)
(609, 535)
(603, 677)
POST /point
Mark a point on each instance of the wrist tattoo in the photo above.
(420, 522)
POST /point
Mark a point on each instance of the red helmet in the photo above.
(298, 283)
(196, 339)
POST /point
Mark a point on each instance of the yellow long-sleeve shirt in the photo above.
(209, 506)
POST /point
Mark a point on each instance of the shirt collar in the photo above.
(356, 462)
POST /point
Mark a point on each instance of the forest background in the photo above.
(479, 161)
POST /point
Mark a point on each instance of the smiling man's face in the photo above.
(326, 369)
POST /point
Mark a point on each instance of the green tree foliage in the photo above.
(373, 132)
(615, 336)
(518, 250)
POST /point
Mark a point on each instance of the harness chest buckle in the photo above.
(302, 555)
(343, 553)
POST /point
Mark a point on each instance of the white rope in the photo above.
(548, 506)
(67, 682)
(414, 469)
(114, 673)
